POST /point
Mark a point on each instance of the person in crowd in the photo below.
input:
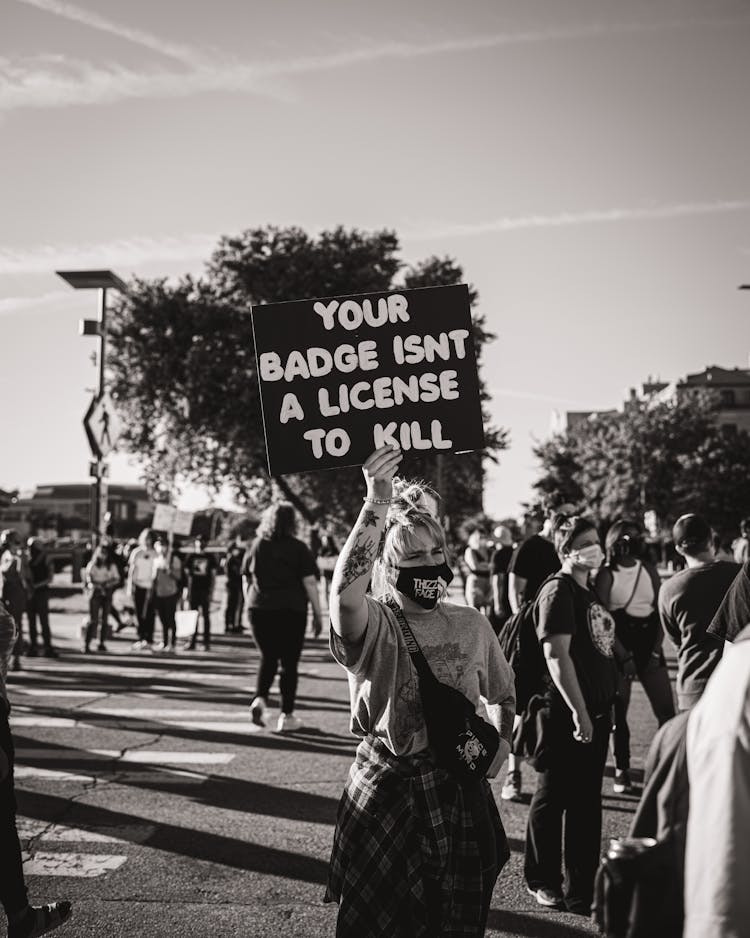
(200, 573)
(328, 551)
(578, 637)
(477, 560)
(167, 587)
(499, 563)
(741, 547)
(41, 572)
(280, 578)
(717, 852)
(688, 602)
(140, 587)
(733, 615)
(531, 563)
(101, 579)
(723, 548)
(24, 920)
(235, 601)
(629, 586)
(414, 852)
(15, 584)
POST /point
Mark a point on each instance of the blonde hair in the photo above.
(409, 511)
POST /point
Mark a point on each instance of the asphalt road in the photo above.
(148, 798)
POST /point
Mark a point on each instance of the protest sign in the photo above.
(172, 520)
(341, 376)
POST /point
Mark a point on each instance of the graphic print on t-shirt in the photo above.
(602, 630)
(200, 566)
(409, 717)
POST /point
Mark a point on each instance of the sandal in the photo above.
(40, 919)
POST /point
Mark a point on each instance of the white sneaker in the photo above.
(258, 711)
(288, 723)
(160, 647)
(137, 646)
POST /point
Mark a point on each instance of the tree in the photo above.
(670, 457)
(182, 366)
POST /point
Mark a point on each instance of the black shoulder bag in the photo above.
(464, 744)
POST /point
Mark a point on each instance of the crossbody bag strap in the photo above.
(412, 646)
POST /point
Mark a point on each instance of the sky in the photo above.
(585, 161)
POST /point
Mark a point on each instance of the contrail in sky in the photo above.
(57, 81)
(430, 232)
(89, 18)
(125, 253)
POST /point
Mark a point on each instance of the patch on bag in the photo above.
(470, 749)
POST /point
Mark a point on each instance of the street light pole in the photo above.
(101, 280)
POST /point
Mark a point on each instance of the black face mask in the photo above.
(425, 585)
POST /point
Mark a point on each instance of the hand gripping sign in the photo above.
(342, 376)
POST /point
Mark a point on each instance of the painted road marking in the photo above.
(51, 692)
(22, 772)
(163, 712)
(155, 756)
(44, 721)
(215, 726)
(87, 865)
(31, 828)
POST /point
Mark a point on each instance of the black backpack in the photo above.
(522, 650)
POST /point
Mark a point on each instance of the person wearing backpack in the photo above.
(629, 587)
(577, 635)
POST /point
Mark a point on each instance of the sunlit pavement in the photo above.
(148, 798)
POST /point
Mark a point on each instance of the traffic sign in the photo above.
(102, 425)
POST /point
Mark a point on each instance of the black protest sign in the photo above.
(340, 377)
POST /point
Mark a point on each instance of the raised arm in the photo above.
(351, 574)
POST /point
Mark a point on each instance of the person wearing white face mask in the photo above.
(577, 635)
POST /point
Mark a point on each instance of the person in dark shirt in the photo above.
(687, 605)
(41, 577)
(733, 614)
(578, 637)
(281, 577)
(532, 562)
(235, 600)
(499, 563)
(200, 569)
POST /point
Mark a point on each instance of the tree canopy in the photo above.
(182, 366)
(671, 457)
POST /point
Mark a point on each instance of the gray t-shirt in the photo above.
(462, 651)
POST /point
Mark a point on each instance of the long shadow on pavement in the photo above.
(200, 845)
(262, 740)
(528, 925)
(222, 791)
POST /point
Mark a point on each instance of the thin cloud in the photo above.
(10, 305)
(54, 81)
(436, 231)
(93, 20)
(125, 254)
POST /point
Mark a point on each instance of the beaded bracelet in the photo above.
(377, 501)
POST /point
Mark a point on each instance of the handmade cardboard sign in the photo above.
(342, 376)
(172, 520)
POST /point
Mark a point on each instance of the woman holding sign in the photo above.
(418, 843)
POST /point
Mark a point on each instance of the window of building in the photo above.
(728, 398)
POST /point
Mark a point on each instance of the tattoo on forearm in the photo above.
(369, 518)
(359, 562)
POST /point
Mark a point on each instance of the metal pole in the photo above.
(99, 508)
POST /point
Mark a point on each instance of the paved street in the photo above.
(148, 798)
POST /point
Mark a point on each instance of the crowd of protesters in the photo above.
(599, 612)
